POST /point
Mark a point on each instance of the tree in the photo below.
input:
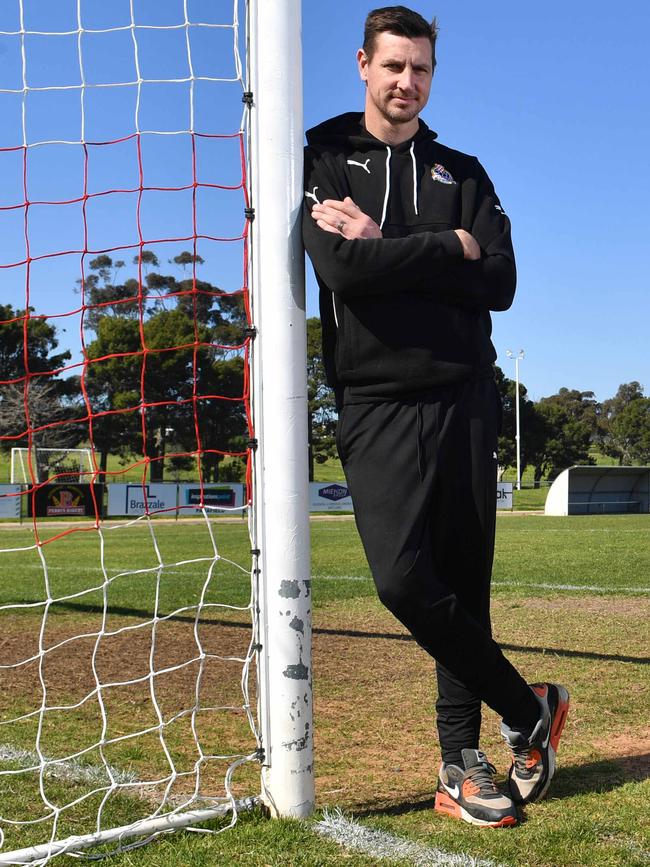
(608, 431)
(321, 402)
(580, 406)
(568, 432)
(148, 372)
(531, 426)
(184, 259)
(35, 410)
(40, 417)
(15, 325)
(102, 296)
(630, 432)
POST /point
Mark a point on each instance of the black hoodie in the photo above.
(406, 312)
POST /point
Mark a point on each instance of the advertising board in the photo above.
(137, 499)
(65, 500)
(504, 495)
(329, 497)
(9, 503)
(217, 499)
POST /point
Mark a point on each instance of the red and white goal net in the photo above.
(129, 633)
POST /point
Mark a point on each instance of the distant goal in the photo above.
(41, 465)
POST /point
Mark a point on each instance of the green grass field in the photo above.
(571, 603)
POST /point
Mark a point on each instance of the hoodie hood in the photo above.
(347, 134)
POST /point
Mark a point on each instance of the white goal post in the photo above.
(281, 410)
(274, 660)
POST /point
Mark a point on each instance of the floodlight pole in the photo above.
(517, 359)
(280, 408)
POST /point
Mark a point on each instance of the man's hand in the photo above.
(471, 249)
(345, 219)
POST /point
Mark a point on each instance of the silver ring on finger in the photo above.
(340, 226)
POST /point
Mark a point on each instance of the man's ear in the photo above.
(362, 63)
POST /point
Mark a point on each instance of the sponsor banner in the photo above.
(335, 497)
(217, 499)
(329, 497)
(9, 506)
(504, 495)
(138, 499)
(65, 500)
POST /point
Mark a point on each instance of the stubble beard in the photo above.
(399, 116)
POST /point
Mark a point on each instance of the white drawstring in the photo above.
(383, 213)
(336, 318)
(415, 184)
(415, 179)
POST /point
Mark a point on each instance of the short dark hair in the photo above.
(400, 21)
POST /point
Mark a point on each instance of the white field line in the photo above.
(341, 578)
(534, 585)
(382, 846)
(589, 588)
(73, 771)
(633, 847)
(616, 530)
(70, 770)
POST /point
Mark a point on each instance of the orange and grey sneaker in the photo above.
(533, 754)
(470, 794)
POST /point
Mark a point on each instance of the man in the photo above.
(412, 251)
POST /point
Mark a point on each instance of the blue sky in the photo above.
(552, 97)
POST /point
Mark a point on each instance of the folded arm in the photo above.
(353, 259)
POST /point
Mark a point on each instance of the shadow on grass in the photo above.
(597, 777)
(401, 809)
(601, 776)
(123, 611)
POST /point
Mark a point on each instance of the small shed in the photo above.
(600, 491)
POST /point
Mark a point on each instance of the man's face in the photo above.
(398, 76)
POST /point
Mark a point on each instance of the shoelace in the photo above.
(521, 759)
(483, 776)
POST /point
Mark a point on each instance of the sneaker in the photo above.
(533, 754)
(469, 793)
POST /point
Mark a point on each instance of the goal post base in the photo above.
(147, 828)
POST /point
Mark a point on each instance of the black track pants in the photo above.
(423, 481)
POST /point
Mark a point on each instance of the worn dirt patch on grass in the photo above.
(630, 752)
(374, 688)
(127, 652)
(637, 607)
(123, 712)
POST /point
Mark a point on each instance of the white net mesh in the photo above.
(128, 645)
